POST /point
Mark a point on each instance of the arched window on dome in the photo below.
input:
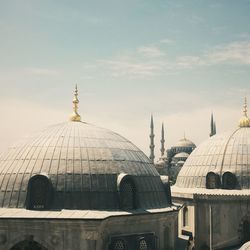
(229, 180)
(39, 193)
(185, 216)
(212, 181)
(127, 193)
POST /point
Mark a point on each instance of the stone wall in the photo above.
(228, 216)
(65, 234)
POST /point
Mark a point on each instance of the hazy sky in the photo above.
(176, 59)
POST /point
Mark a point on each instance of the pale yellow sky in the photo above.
(20, 118)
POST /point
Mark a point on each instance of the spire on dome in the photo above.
(184, 135)
(245, 108)
(75, 117)
(244, 121)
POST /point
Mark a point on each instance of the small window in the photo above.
(119, 245)
(127, 194)
(212, 181)
(39, 193)
(143, 245)
(229, 180)
(185, 216)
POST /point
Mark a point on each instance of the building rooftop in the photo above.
(76, 214)
(199, 192)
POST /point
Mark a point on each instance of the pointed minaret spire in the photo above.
(152, 145)
(75, 117)
(244, 121)
(162, 140)
(212, 126)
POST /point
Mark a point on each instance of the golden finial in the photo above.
(75, 117)
(244, 121)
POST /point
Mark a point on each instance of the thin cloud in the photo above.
(166, 41)
(233, 53)
(151, 51)
(134, 69)
(87, 77)
(149, 61)
(219, 29)
(42, 71)
(188, 62)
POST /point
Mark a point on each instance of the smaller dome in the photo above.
(181, 155)
(160, 162)
(180, 163)
(185, 143)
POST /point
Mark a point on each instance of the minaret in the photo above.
(152, 145)
(162, 140)
(212, 126)
(75, 117)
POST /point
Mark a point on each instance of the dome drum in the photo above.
(213, 180)
(125, 191)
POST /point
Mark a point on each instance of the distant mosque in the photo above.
(172, 160)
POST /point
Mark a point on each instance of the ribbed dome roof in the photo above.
(220, 153)
(184, 143)
(83, 162)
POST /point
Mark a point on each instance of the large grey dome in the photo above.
(228, 152)
(83, 163)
